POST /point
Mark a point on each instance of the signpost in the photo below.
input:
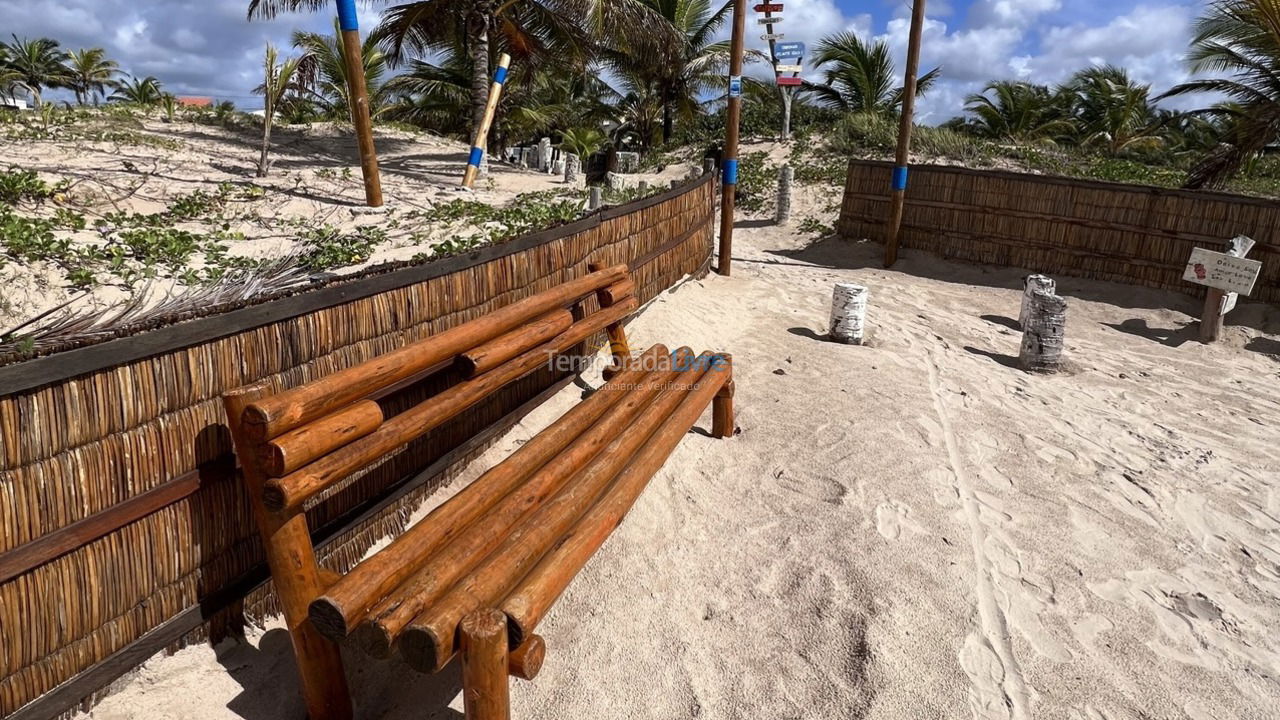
(1227, 275)
(772, 37)
(789, 50)
(780, 51)
(788, 68)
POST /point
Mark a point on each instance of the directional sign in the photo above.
(772, 36)
(769, 20)
(790, 81)
(789, 68)
(769, 8)
(789, 50)
(1224, 272)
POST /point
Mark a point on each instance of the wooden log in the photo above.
(526, 660)
(485, 688)
(291, 557)
(347, 603)
(290, 492)
(427, 643)
(490, 355)
(451, 563)
(532, 596)
(302, 445)
(616, 292)
(272, 416)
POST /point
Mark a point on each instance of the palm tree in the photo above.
(1240, 38)
(91, 73)
(277, 80)
(684, 65)
(1018, 111)
(36, 65)
(138, 91)
(1112, 111)
(322, 71)
(860, 76)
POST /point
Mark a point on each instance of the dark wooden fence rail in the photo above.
(1105, 231)
(122, 531)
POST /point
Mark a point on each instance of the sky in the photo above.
(208, 48)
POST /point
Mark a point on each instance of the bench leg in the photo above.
(296, 576)
(722, 422)
(485, 664)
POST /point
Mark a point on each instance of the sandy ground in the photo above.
(910, 529)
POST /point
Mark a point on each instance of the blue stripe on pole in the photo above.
(730, 172)
(900, 178)
(500, 75)
(477, 155)
(347, 18)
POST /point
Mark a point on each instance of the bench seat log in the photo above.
(533, 596)
(477, 574)
(347, 602)
(427, 643)
(446, 567)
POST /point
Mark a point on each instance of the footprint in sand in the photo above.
(892, 518)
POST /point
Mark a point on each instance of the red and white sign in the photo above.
(790, 81)
(769, 8)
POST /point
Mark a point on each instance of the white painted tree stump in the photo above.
(596, 200)
(785, 177)
(1044, 333)
(572, 168)
(1031, 285)
(849, 313)
(544, 154)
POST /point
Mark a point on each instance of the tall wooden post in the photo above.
(733, 117)
(353, 56)
(481, 142)
(899, 188)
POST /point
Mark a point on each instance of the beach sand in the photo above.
(909, 529)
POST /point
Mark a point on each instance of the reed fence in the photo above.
(1129, 234)
(123, 528)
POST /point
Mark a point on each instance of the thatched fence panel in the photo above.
(1105, 231)
(123, 528)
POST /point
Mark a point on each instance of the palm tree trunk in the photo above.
(480, 22)
(668, 117)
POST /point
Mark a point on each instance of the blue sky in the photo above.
(206, 47)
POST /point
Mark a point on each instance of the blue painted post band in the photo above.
(347, 18)
(500, 76)
(900, 179)
(477, 154)
(730, 172)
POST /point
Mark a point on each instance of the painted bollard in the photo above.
(849, 313)
(1044, 333)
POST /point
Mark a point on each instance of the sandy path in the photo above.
(911, 529)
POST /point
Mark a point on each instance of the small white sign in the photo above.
(773, 36)
(789, 68)
(769, 20)
(1224, 272)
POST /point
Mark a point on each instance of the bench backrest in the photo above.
(312, 436)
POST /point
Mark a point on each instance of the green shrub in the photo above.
(17, 185)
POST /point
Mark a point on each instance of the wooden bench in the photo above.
(482, 569)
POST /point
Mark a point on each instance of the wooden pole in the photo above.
(353, 56)
(483, 358)
(485, 690)
(1213, 319)
(347, 603)
(481, 140)
(733, 116)
(294, 571)
(898, 198)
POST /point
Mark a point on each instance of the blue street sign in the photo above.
(789, 50)
(735, 86)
